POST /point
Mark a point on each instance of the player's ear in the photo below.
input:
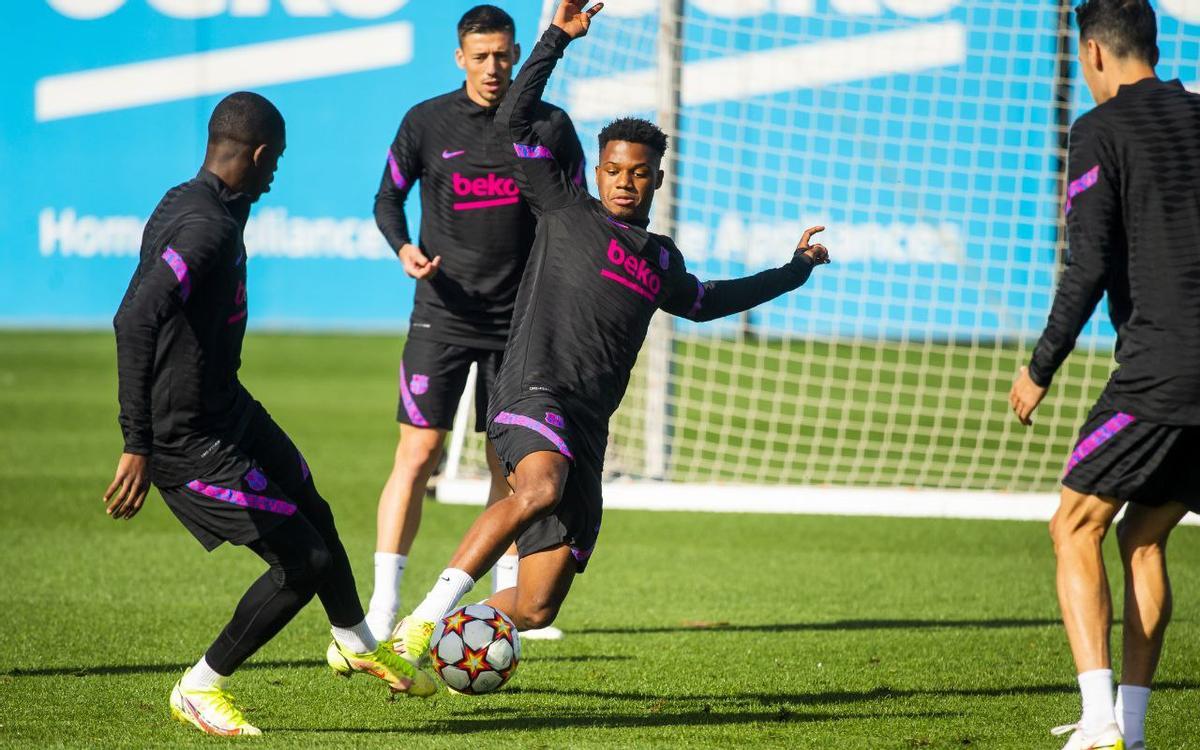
(516, 54)
(459, 58)
(658, 181)
(1095, 54)
(260, 154)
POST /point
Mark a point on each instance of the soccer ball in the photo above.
(478, 650)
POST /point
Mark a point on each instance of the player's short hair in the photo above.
(1126, 27)
(485, 19)
(246, 117)
(634, 130)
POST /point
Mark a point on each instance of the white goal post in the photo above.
(929, 137)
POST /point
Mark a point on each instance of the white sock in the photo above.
(1096, 687)
(357, 638)
(385, 599)
(202, 677)
(504, 575)
(1132, 701)
(452, 585)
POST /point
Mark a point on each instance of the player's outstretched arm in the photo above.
(542, 181)
(1094, 229)
(701, 301)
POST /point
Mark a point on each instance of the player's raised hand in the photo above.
(1025, 396)
(124, 497)
(417, 265)
(573, 19)
(816, 253)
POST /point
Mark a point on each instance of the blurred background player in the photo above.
(476, 231)
(1133, 216)
(595, 278)
(222, 465)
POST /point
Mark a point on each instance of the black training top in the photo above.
(180, 328)
(472, 213)
(1133, 217)
(593, 282)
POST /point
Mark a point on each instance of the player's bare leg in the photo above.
(537, 483)
(399, 518)
(506, 570)
(1078, 529)
(542, 586)
(1142, 535)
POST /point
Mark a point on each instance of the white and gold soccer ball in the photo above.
(478, 650)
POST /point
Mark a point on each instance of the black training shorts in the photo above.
(539, 423)
(432, 378)
(1126, 458)
(246, 488)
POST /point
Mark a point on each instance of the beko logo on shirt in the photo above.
(86, 10)
(494, 189)
(645, 281)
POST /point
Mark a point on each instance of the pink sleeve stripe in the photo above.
(397, 177)
(180, 269)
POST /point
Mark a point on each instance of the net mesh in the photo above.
(928, 137)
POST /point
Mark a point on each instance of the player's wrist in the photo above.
(556, 36)
(1039, 378)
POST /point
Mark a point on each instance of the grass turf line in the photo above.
(687, 630)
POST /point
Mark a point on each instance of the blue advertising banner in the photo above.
(921, 132)
(106, 107)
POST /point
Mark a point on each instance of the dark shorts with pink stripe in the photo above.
(245, 487)
(1123, 457)
(432, 378)
(538, 423)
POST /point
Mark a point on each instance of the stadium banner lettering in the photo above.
(921, 132)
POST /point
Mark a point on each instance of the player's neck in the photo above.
(1127, 75)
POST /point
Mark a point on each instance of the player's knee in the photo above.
(1136, 543)
(306, 572)
(537, 613)
(538, 499)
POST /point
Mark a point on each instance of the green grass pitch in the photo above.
(688, 630)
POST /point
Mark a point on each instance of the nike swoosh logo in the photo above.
(452, 154)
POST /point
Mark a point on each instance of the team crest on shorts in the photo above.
(256, 480)
(664, 258)
(555, 420)
(419, 384)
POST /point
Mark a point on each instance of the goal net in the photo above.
(928, 136)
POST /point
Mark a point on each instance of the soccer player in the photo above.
(222, 465)
(594, 279)
(1133, 217)
(476, 231)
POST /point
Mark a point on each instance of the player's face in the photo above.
(627, 177)
(488, 60)
(266, 161)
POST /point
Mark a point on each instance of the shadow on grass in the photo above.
(121, 669)
(646, 719)
(834, 696)
(837, 625)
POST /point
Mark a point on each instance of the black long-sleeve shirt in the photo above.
(472, 213)
(593, 281)
(1133, 218)
(179, 330)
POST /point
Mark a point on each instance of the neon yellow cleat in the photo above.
(383, 663)
(412, 639)
(211, 711)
